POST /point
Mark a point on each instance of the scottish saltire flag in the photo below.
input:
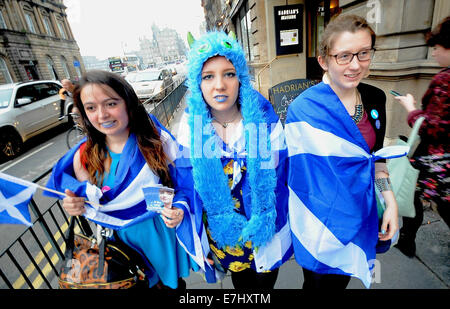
(332, 205)
(15, 195)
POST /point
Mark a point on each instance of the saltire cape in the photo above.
(332, 203)
(279, 249)
(124, 205)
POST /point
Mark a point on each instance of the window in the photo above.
(51, 68)
(2, 21)
(5, 72)
(47, 25)
(243, 27)
(46, 90)
(65, 67)
(5, 97)
(26, 92)
(61, 29)
(30, 23)
(53, 89)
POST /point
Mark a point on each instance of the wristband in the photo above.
(383, 184)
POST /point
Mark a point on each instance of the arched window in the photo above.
(65, 67)
(51, 69)
(61, 28)
(6, 76)
(29, 18)
(2, 20)
(47, 23)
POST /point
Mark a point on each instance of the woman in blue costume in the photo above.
(335, 132)
(235, 155)
(125, 150)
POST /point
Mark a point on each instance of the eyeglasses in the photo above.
(346, 58)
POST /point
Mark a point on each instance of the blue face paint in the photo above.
(378, 124)
(374, 113)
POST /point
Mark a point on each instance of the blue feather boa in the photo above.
(227, 227)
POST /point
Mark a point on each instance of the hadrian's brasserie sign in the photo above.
(283, 94)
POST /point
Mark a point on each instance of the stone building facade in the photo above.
(402, 60)
(165, 46)
(36, 42)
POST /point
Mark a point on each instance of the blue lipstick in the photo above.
(221, 98)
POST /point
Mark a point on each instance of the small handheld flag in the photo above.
(15, 194)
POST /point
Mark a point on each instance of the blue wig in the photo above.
(228, 228)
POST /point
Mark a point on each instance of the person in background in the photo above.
(125, 150)
(236, 163)
(65, 95)
(435, 136)
(332, 130)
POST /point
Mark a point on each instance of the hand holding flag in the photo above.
(73, 204)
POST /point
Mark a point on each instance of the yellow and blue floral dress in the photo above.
(235, 258)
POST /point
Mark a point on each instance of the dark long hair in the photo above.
(139, 123)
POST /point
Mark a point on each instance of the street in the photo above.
(40, 153)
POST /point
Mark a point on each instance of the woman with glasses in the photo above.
(333, 132)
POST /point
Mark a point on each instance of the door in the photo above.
(30, 114)
(50, 101)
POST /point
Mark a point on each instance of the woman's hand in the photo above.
(408, 102)
(172, 216)
(390, 217)
(73, 204)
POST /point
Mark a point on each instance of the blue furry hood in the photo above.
(215, 44)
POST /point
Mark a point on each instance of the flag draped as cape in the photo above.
(124, 205)
(332, 205)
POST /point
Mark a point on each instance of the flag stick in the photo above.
(32, 184)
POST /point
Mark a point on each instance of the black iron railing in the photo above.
(164, 109)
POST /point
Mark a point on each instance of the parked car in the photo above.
(27, 109)
(151, 83)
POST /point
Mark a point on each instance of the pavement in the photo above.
(429, 269)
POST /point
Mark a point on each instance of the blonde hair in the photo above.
(339, 24)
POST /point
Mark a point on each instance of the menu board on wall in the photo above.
(289, 29)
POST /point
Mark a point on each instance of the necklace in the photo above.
(359, 109)
(225, 124)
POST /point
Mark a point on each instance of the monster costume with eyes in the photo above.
(262, 152)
